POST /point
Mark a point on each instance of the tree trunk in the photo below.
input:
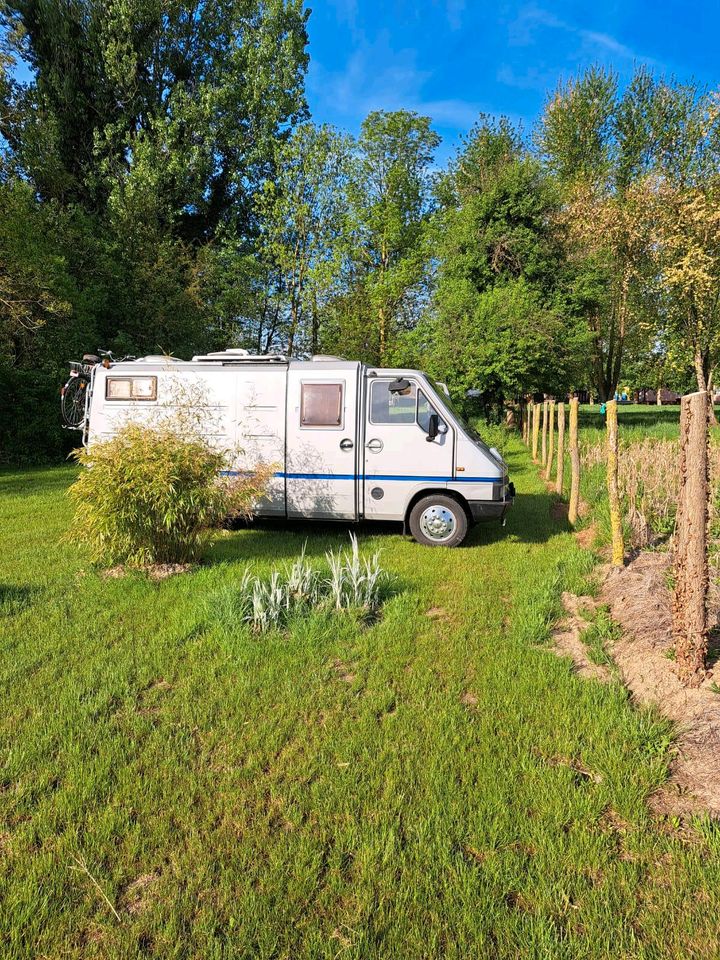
(618, 547)
(561, 449)
(691, 560)
(543, 457)
(535, 431)
(574, 463)
(551, 439)
(658, 398)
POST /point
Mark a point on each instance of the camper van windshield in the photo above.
(458, 416)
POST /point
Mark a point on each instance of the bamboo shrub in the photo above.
(618, 545)
(561, 448)
(543, 457)
(574, 462)
(551, 440)
(535, 431)
(691, 542)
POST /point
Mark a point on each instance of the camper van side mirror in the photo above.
(433, 427)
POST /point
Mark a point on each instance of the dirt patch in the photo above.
(161, 571)
(469, 700)
(342, 671)
(567, 636)
(587, 536)
(138, 895)
(155, 571)
(437, 613)
(639, 600)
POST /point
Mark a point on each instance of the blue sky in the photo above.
(453, 59)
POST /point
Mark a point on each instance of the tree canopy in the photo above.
(163, 188)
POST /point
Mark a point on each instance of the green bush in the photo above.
(150, 495)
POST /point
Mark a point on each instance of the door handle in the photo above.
(375, 445)
(346, 444)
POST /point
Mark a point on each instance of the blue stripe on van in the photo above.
(369, 476)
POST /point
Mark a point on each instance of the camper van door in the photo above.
(322, 449)
(400, 457)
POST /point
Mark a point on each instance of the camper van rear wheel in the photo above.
(438, 521)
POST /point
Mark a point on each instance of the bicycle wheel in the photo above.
(73, 402)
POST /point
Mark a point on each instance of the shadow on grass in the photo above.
(15, 598)
(36, 480)
(529, 520)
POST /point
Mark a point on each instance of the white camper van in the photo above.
(348, 441)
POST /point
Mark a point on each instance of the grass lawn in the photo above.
(429, 786)
(635, 421)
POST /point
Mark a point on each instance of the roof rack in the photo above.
(237, 355)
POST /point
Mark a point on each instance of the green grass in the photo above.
(635, 422)
(414, 788)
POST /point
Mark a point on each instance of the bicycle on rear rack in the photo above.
(74, 395)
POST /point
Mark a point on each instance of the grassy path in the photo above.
(432, 786)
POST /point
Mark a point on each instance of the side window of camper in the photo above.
(131, 388)
(424, 409)
(386, 407)
(321, 404)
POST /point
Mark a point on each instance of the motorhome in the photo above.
(347, 441)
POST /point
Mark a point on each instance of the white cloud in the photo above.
(532, 20)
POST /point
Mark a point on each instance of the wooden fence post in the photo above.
(574, 462)
(691, 560)
(551, 439)
(618, 546)
(525, 408)
(559, 477)
(535, 431)
(543, 447)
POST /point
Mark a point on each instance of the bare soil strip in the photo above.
(639, 600)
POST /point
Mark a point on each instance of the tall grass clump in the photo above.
(151, 495)
(649, 480)
(349, 583)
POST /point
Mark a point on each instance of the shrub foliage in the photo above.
(151, 495)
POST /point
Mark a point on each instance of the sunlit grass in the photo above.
(433, 784)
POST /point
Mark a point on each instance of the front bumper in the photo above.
(492, 509)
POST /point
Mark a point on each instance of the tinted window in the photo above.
(321, 405)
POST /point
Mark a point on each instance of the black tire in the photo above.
(73, 402)
(438, 521)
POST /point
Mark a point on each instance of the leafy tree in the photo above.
(599, 145)
(499, 322)
(390, 200)
(144, 134)
(302, 212)
(683, 196)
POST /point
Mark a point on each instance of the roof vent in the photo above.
(159, 358)
(238, 355)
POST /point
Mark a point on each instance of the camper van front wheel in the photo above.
(438, 521)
